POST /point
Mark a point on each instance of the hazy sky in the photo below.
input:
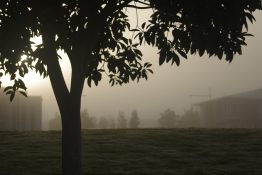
(169, 86)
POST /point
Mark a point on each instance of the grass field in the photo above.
(135, 152)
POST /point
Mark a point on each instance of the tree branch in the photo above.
(54, 70)
(146, 4)
(138, 7)
(124, 4)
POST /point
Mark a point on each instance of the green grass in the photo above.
(142, 151)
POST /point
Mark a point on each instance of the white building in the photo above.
(242, 110)
(22, 114)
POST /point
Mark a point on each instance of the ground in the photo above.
(140, 151)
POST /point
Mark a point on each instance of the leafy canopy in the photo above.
(93, 35)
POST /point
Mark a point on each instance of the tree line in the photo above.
(88, 121)
(167, 119)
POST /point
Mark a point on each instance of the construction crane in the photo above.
(209, 95)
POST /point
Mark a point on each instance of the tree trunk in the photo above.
(71, 126)
(71, 140)
(69, 103)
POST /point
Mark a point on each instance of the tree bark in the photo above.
(71, 140)
(71, 126)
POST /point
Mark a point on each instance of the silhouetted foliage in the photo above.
(212, 27)
(134, 120)
(168, 119)
(92, 34)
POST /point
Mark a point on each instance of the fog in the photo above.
(169, 86)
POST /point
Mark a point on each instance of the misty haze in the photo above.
(201, 112)
(195, 81)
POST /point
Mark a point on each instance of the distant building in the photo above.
(243, 110)
(23, 114)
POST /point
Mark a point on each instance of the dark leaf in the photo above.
(201, 52)
(220, 54)
(12, 95)
(162, 57)
(175, 59)
(12, 76)
(89, 81)
(143, 25)
(183, 54)
(8, 88)
(149, 70)
(250, 17)
(23, 93)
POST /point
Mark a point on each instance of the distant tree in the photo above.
(103, 123)
(121, 120)
(168, 119)
(190, 119)
(134, 120)
(55, 123)
(112, 123)
(87, 121)
(93, 35)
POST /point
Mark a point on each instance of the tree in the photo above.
(103, 123)
(112, 123)
(87, 121)
(134, 120)
(121, 120)
(168, 119)
(92, 34)
(190, 119)
(55, 123)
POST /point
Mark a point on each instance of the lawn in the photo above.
(141, 151)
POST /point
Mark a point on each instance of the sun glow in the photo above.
(30, 79)
(34, 79)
